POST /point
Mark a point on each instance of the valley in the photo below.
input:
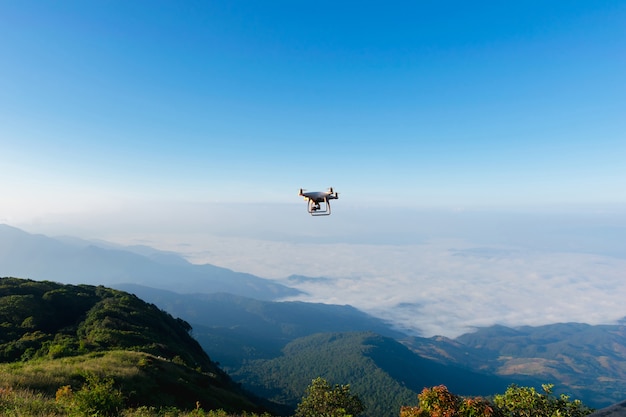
(273, 349)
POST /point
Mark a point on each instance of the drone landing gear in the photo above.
(315, 209)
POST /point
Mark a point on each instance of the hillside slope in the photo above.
(384, 373)
(586, 361)
(53, 335)
(237, 329)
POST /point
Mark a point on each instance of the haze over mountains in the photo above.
(75, 261)
(251, 339)
(238, 324)
(447, 285)
(442, 287)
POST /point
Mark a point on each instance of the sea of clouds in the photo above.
(442, 287)
(427, 272)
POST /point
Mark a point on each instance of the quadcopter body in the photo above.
(318, 202)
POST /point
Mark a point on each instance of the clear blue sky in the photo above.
(126, 120)
(430, 103)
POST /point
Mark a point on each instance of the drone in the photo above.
(315, 198)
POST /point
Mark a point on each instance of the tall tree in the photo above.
(323, 400)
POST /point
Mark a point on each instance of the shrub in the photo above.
(439, 402)
(515, 402)
(528, 402)
(96, 397)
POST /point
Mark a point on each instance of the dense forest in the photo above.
(382, 371)
(57, 335)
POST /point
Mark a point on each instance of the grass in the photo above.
(29, 388)
(44, 375)
(27, 403)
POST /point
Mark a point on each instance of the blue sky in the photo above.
(479, 146)
(432, 104)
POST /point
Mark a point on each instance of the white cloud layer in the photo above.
(443, 287)
(428, 273)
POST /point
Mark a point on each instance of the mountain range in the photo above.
(588, 361)
(582, 360)
(264, 344)
(76, 261)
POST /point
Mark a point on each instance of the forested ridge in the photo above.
(249, 332)
(46, 319)
(72, 332)
(383, 372)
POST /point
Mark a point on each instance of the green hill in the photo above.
(238, 329)
(54, 335)
(248, 337)
(381, 371)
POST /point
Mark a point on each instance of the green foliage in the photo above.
(97, 397)
(52, 335)
(528, 402)
(344, 357)
(439, 402)
(101, 350)
(144, 379)
(515, 402)
(323, 400)
(46, 319)
(27, 403)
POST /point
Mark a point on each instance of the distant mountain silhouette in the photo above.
(586, 361)
(615, 410)
(76, 261)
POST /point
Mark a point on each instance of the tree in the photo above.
(439, 402)
(528, 402)
(323, 400)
